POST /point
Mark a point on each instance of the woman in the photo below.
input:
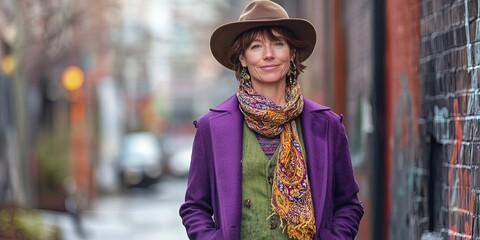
(268, 163)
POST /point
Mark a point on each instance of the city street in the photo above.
(144, 214)
(100, 95)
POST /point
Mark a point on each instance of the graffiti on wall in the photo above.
(455, 131)
(459, 210)
(453, 115)
(408, 182)
(460, 198)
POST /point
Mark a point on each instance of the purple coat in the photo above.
(213, 204)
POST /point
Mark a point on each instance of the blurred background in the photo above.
(97, 99)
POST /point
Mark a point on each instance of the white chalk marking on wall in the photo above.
(467, 33)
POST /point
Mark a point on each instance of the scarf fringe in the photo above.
(301, 231)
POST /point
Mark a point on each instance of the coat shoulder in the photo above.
(323, 111)
(227, 106)
(333, 116)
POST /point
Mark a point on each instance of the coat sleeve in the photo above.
(197, 211)
(348, 210)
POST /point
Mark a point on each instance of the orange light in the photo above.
(8, 65)
(72, 78)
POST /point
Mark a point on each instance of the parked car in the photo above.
(179, 162)
(179, 151)
(140, 162)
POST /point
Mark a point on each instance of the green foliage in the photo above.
(53, 158)
(25, 224)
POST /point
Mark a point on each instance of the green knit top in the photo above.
(257, 178)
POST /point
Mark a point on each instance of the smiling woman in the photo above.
(268, 163)
(267, 58)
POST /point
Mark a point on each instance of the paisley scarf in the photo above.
(291, 196)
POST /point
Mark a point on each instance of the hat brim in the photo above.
(223, 37)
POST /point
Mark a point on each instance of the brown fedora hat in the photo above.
(258, 14)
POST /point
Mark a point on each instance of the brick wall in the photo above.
(406, 172)
(449, 63)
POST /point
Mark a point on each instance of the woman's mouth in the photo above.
(269, 67)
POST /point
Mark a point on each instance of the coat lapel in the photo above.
(314, 129)
(227, 130)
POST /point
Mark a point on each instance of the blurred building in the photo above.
(165, 64)
(58, 54)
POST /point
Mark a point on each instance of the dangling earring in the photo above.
(292, 74)
(245, 77)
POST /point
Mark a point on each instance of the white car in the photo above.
(179, 151)
(140, 161)
(179, 162)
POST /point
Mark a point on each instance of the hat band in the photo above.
(265, 18)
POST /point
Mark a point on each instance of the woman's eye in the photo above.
(255, 46)
(279, 43)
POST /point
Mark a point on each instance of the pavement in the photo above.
(138, 214)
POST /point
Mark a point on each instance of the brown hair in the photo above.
(243, 40)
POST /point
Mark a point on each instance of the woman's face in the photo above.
(268, 61)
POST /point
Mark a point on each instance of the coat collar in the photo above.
(229, 105)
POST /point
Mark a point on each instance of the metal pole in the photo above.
(379, 225)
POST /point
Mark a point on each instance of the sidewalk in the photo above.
(63, 221)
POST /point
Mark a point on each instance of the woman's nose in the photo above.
(268, 52)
